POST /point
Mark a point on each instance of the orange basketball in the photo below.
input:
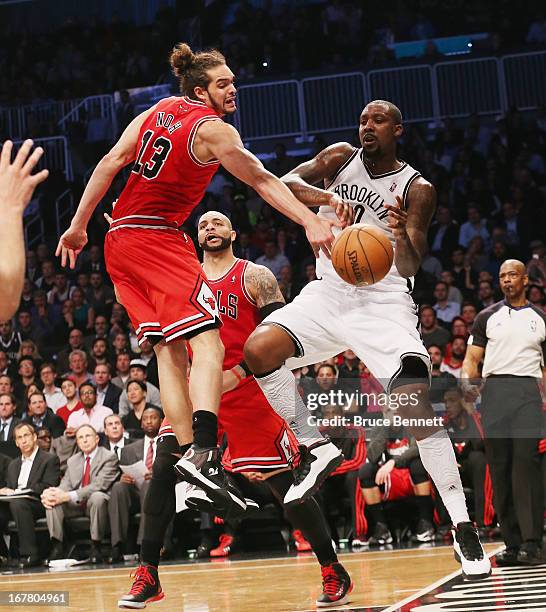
(362, 255)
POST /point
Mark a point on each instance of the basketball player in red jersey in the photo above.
(176, 147)
(258, 439)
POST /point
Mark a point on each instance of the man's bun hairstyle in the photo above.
(191, 68)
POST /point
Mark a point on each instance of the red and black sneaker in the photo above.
(146, 588)
(225, 547)
(302, 545)
(336, 586)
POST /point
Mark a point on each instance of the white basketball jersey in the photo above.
(367, 194)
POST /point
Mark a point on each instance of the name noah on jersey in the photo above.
(362, 195)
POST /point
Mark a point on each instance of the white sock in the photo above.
(281, 392)
(439, 461)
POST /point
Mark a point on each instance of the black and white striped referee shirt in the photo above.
(514, 339)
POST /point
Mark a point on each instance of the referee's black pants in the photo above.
(512, 419)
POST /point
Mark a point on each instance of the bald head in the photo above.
(390, 108)
(214, 214)
(215, 232)
(513, 264)
(513, 281)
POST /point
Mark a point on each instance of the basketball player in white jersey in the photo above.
(379, 323)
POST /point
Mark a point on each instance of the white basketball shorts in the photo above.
(328, 318)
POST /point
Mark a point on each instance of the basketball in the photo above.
(362, 255)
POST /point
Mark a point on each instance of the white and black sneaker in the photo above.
(424, 532)
(469, 552)
(316, 463)
(202, 468)
(381, 535)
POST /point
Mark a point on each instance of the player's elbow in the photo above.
(115, 160)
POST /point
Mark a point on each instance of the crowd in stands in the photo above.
(70, 356)
(285, 38)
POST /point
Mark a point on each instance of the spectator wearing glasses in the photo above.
(91, 413)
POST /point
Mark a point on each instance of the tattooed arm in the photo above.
(263, 288)
(262, 285)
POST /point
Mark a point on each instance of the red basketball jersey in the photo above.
(237, 309)
(167, 180)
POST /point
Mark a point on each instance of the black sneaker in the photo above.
(530, 554)
(202, 467)
(146, 589)
(424, 532)
(316, 463)
(507, 557)
(336, 586)
(469, 552)
(380, 536)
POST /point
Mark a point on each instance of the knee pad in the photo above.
(165, 458)
(414, 370)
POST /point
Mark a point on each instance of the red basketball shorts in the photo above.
(398, 485)
(159, 280)
(258, 439)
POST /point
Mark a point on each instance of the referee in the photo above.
(510, 336)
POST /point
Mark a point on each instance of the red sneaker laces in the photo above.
(330, 580)
(142, 578)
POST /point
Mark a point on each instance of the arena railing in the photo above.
(56, 155)
(102, 107)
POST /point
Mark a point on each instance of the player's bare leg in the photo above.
(172, 365)
(201, 465)
(438, 457)
(266, 350)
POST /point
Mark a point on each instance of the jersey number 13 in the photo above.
(162, 147)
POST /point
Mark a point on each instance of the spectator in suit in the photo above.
(39, 415)
(44, 439)
(123, 368)
(138, 372)
(35, 470)
(244, 249)
(443, 235)
(95, 263)
(115, 437)
(6, 385)
(91, 413)
(126, 498)
(8, 421)
(107, 394)
(84, 491)
(70, 392)
(53, 394)
(99, 353)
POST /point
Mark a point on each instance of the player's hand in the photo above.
(320, 235)
(17, 184)
(70, 245)
(398, 219)
(230, 380)
(383, 472)
(344, 212)
(107, 216)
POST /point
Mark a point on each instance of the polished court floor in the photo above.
(281, 584)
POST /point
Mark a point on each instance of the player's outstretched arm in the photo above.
(218, 140)
(410, 226)
(122, 153)
(303, 180)
(17, 185)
